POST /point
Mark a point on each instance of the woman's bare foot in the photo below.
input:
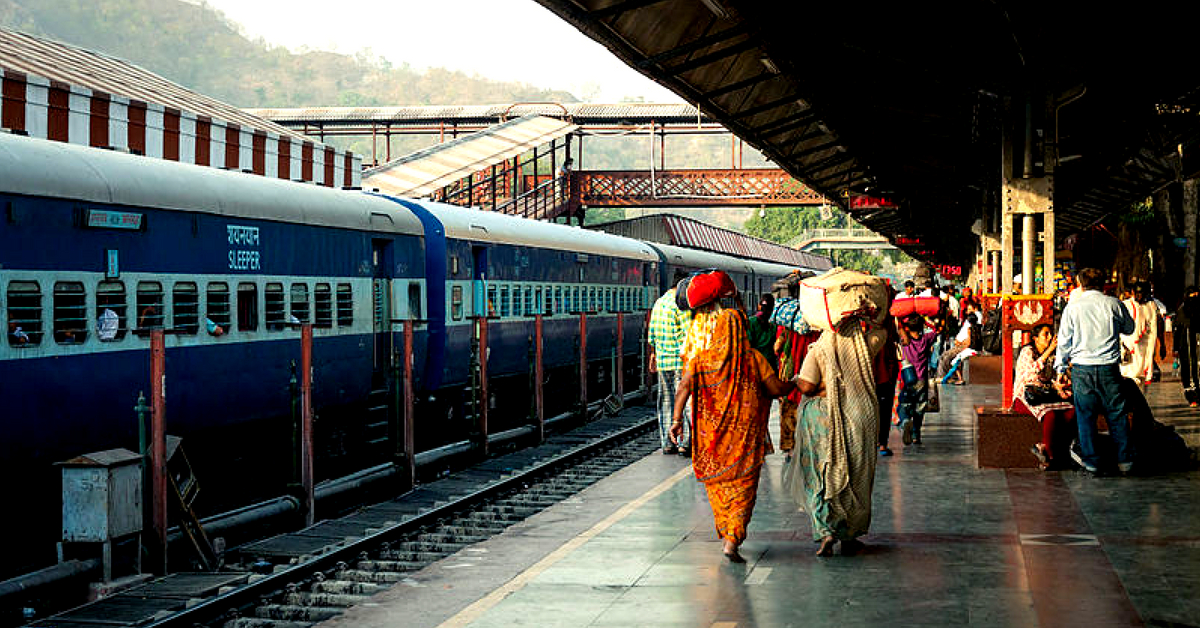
(826, 548)
(730, 550)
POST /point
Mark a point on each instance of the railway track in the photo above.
(317, 573)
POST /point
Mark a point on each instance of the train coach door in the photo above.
(479, 301)
(381, 301)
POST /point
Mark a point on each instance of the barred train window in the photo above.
(518, 301)
(558, 299)
(300, 302)
(456, 303)
(24, 313)
(247, 306)
(185, 303)
(531, 299)
(111, 311)
(217, 305)
(70, 313)
(322, 306)
(414, 301)
(491, 301)
(504, 309)
(345, 305)
(149, 305)
(275, 310)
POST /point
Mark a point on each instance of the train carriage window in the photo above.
(185, 307)
(531, 299)
(217, 308)
(70, 313)
(24, 314)
(558, 298)
(456, 303)
(414, 301)
(518, 300)
(150, 305)
(275, 310)
(505, 310)
(300, 305)
(345, 305)
(491, 301)
(247, 306)
(594, 298)
(322, 306)
(111, 311)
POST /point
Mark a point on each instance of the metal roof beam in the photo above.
(774, 104)
(693, 46)
(812, 150)
(828, 162)
(621, 7)
(742, 84)
(804, 117)
(803, 122)
(713, 57)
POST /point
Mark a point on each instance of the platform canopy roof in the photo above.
(417, 115)
(425, 171)
(907, 100)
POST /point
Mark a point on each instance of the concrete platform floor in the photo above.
(950, 545)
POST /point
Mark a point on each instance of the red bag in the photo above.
(924, 306)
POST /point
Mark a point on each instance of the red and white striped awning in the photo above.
(59, 92)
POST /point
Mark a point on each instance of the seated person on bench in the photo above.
(1037, 392)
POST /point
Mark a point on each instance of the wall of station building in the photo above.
(39, 107)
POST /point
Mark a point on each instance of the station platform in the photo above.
(950, 544)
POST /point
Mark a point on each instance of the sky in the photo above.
(509, 40)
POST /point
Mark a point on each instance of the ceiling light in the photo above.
(716, 8)
(769, 64)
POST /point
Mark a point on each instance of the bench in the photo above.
(1003, 438)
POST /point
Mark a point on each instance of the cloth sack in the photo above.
(787, 314)
(923, 306)
(838, 295)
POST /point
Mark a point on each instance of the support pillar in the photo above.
(583, 391)
(995, 274)
(620, 374)
(539, 379)
(409, 437)
(484, 401)
(1048, 250)
(306, 423)
(1028, 238)
(158, 447)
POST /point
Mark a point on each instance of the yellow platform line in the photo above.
(481, 606)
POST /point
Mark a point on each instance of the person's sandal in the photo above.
(1043, 460)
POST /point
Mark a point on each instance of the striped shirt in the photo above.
(668, 326)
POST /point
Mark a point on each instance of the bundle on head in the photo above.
(839, 295)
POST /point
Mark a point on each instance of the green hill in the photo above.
(198, 47)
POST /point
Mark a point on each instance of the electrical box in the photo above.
(101, 496)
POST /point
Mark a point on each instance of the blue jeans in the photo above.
(1097, 389)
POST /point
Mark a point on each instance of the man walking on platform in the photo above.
(668, 327)
(1089, 342)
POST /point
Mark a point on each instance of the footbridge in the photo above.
(841, 239)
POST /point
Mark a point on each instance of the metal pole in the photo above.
(995, 272)
(158, 445)
(620, 374)
(1028, 237)
(409, 430)
(1006, 374)
(539, 378)
(583, 396)
(306, 422)
(645, 359)
(484, 400)
(1048, 253)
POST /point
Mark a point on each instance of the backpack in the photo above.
(990, 340)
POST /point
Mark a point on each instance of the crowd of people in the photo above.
(842, 389)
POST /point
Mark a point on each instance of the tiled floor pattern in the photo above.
(950, 545)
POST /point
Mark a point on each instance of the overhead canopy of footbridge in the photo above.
(917, 103)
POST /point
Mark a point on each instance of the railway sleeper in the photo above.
(438, 537)
(426, 546)
(497, 517)
(373, 577)
(289, 612)
(463, 529)
(347, 588)
(260, 622)
(413, 557)
(327, 600)
(390, 565)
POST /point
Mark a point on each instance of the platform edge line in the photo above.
(518, 582)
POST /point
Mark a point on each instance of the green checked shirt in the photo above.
(668, 326)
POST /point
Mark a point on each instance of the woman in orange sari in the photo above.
(731, 386)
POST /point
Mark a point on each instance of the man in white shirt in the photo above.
(1089, 342)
